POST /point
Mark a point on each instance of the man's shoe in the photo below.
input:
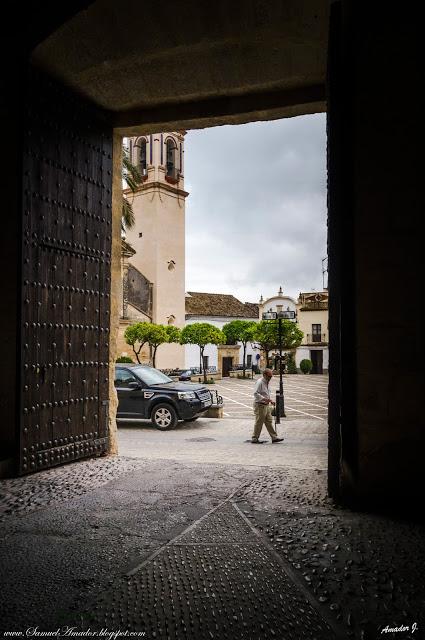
(278, 440)
(256, 441)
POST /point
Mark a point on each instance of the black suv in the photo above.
(146, 393)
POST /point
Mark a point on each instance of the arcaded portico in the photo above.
(135, 68)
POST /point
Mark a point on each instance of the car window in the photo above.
(123, 377)
(149, 375)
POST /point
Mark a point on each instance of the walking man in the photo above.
(262, 408)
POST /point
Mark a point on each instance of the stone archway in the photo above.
(265, 62)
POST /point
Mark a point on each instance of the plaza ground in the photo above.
(306, 396)
(227, 440)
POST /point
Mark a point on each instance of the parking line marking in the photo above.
(305, 402)
(303, 412)
(236, 402)
(290, 387)
(289, 396)
(311, 415)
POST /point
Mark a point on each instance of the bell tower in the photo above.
(158, 235)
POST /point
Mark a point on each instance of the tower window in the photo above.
(141, 157)
(171, 265)
(170, 167)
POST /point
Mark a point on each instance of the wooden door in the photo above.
(66, 264)
(227, 365)
(316, 358)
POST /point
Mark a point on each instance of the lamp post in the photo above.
(281, 396)
(279, 316)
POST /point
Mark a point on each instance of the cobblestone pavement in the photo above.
(58, 550)
(227, 441)
(216, 580)
(318, 572)
(306, 396)
(367, 571)
(60, 483)
(186, 550)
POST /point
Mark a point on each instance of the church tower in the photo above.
(158, 235)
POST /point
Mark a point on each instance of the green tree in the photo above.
(290, 363)
(155, 336)
(133, 178)
(173, 333)
(266, 335)
(136, 335)
(292, 336)
(201, 334)
(240, 331)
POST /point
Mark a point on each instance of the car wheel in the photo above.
(164, 417)
(190, 419)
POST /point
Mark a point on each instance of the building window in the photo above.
(140, 157)
(143, 158)
(170, 166)
(171, 319)
(206, 362)
(171, 265)
(316, 330)
(249, 360)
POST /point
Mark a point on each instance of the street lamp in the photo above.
(279, 316)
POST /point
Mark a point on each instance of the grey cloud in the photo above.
(256, 214)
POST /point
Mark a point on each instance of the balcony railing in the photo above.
(171, 173)
(316, 338)
(313, 305)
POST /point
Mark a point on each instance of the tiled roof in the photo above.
(253, 307)
(219, 305)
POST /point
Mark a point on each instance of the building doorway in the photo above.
(316, 358)
(227, 365)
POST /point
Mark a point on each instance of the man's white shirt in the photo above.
(261, 391)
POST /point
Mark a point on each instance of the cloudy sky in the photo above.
(256, 214)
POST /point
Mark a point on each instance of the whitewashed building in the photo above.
(312, 315)
(277, 303)
(219, 309)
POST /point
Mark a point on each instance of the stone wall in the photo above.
(376, 190)
(139, 291)
(116, 287)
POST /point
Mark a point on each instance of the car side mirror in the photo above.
(134, 385)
